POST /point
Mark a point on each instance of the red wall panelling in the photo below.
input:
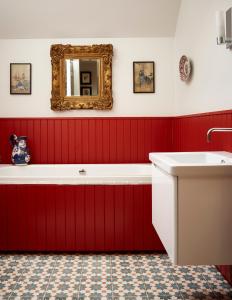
(88, 140)
(190, 132)
(76, 218)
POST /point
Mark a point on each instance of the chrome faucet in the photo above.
(216, 130)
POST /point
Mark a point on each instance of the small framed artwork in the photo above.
(20, 78)
(86, 77)
(143, 77)
(86, 91)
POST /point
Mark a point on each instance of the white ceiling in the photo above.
(88, 18)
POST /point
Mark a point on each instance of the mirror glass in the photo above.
(82, 77)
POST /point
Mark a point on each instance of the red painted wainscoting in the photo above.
(83, 140)
(190, 132)
(77, 218)
(190, 135)
(88, 140)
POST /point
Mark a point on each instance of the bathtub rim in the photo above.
(128, 179)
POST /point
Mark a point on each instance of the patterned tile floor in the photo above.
(106, 276)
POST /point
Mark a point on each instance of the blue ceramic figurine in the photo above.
(20, 154)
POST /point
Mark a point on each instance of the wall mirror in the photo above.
(81, 77)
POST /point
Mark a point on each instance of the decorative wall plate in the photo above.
(184, 68)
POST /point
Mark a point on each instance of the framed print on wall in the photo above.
(143, 77)
(86, 91)
(86, 77)
(20, 78)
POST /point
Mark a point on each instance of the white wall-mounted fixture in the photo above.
(224, 27)
(191, 206)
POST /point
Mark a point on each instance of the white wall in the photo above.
(126, 50)
(211, 86)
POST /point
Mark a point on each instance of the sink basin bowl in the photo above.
(193, 163)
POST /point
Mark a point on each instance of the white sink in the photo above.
(193, 163)
(192, 204)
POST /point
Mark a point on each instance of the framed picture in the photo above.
(86, 77)
(143, 77)
(86, 91)
(20, 78)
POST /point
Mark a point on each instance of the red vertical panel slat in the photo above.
(154, 142)
(85, 141)
(126, 141)
(138, 217)
(79, 142)
(92, 141)
(188, 146)
(50, 202)
(109, 218)
(3, 218)
(9, 191)
(3, 137)
(41, 217)
(36, 142)
(58, 146)
(14, 220)
(141, 154)
(44, 141)
(98, 142)
(65, 142)
(134, 140)
(113, 141)
(89, 218)
(105, 141)
(51, 141)
(17, 126)
(32, 217)
(70, 218)
(129, 217)
(99, 218)
(79, 198)
(120, 141)
(119, 217)
(176, 135)
(45, 213)
(25, 214)
(24, 127)
(60, 218)
(71, 140)
(147, 139)
(169, 126)
(31, 139)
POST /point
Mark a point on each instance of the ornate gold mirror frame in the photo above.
(59, 100)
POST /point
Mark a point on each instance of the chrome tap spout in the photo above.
(211, 130)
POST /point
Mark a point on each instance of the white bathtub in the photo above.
(103, 174)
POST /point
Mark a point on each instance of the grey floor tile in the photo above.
(106, 276)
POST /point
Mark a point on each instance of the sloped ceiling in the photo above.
(88, 18)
